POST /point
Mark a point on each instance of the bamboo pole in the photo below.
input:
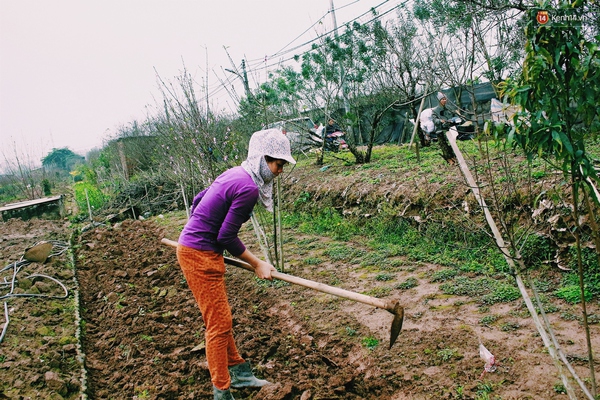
(87, 199)
(552, 346)
(278, 232)
(185, 201)
(262, 238)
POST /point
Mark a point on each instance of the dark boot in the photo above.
(242, 376)
(222, 394)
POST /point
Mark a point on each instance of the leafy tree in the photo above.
(394, 71)
(475, 39)
(322, 77)
(88, 197)
(355, 78)
(280, 97)
(193, 146)
(557, 94)
(62, 159)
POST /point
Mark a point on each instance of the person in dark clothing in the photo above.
(331, 127)
(441, 114)
(441, 117)
(331, 138)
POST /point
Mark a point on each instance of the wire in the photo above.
(58, 248)
(39, 294)
(279, 53)
(7, 318)
(256, 65)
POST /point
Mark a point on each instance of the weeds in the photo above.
(142, 394)
(339, 253)
(370, 342)
(560, 388)
(509, 327)
(464, 286)
(448, 354)
(384, 277)
(408, 284)
(379, 292)
(483, 391)
(313, 261)
(572, 294)
(444, 275)
(502, 293)
(275, 283)
(350, 331)
(488, 320)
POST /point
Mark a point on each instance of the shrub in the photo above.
(502, 294)
(572, 294)
(84, 192)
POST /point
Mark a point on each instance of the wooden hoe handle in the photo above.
(391, 306)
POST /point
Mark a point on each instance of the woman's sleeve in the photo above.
(239, 212)
(197, 199)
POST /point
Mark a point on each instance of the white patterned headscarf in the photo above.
(272, 143)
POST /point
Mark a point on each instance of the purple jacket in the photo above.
(219, 211)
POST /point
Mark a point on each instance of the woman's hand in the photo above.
(263, 270)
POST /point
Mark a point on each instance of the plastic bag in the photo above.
(490, 360)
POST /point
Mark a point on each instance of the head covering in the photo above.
(441, 96)
(272, 143)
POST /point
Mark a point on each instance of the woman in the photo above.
(218, 213)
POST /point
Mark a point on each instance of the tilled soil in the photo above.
(142, 333)
(39, 352)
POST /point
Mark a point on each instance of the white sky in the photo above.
(73, 71)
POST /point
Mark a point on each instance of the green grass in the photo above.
(447, 354)
(488, 320)
(443, 275)
(469, 262)
(408, 284)
(370, 342)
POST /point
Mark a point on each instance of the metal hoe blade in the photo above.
(398, 312)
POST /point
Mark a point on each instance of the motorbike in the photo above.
(465, 132)
(335, 141)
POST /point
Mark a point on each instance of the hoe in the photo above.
(391, 306)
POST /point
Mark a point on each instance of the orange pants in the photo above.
(204, 272)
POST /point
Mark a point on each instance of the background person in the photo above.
(332, 127)
(441, 115)
(218, 213)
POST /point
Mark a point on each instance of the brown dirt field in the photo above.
(40, 337)
(142, 333)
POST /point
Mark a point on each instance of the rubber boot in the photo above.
(222, 394)
(242, 376)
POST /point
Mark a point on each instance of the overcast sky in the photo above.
(73, 71)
